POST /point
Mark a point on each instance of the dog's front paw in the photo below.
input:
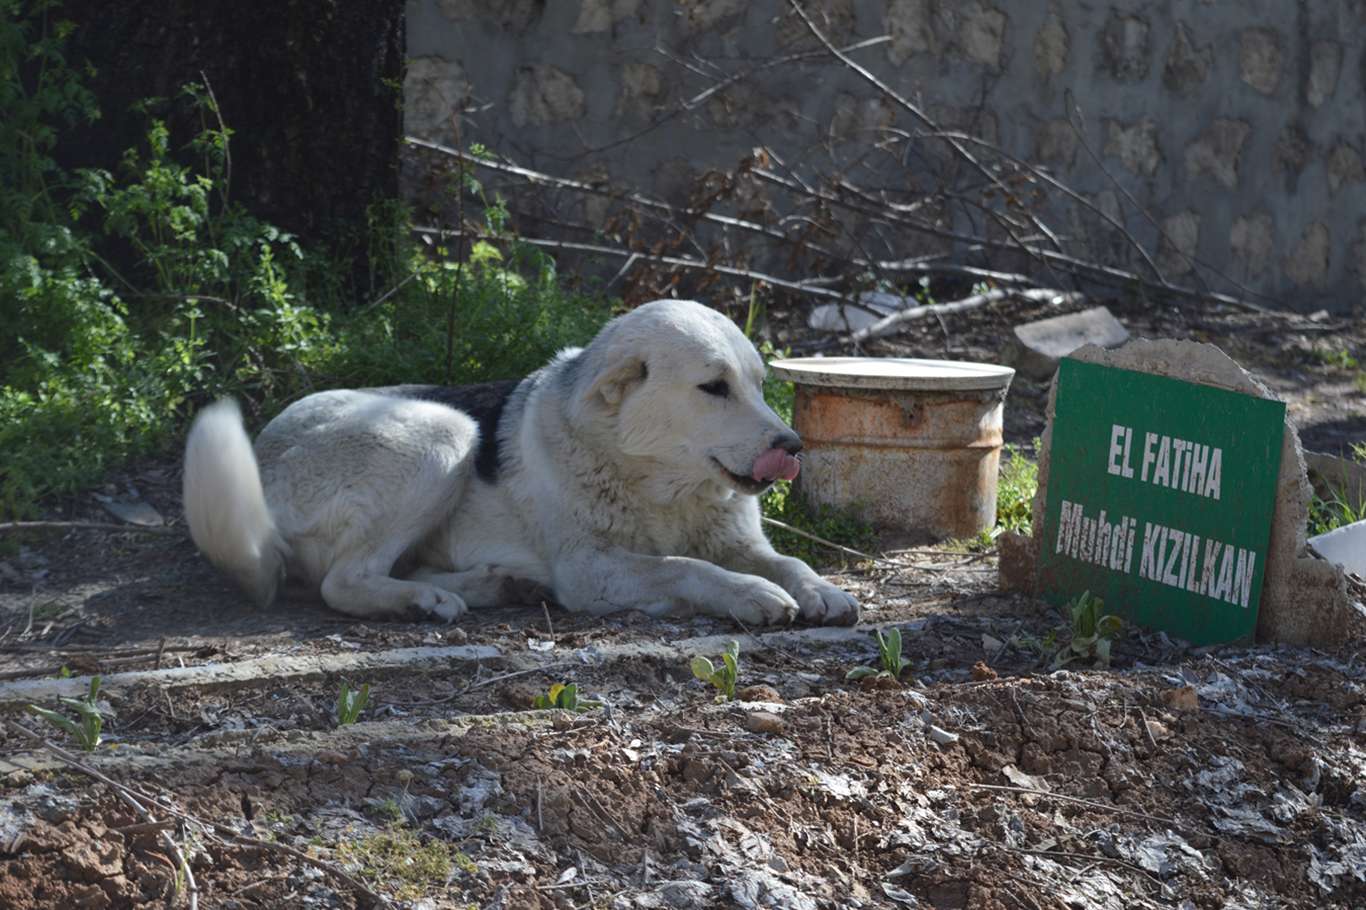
(441, 604)
(759, 602)
(823, 603)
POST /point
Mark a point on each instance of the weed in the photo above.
(1015, 489)
(130, 291)
(843, 526)
(1093, 632)
(387, 810)
(1336, 358)
(90, 717)
(351, 702)
(399, 859)
(1339, 507)
(1337, 510)
(564, 698)
(722, 678)
(891, 663)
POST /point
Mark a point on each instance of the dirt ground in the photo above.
(1212, 778)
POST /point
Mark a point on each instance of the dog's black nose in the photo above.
(788, 441)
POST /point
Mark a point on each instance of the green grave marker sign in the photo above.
(1160, 496)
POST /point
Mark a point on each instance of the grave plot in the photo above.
(1002, 769)
(977, 779)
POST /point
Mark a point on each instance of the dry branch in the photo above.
(889, 324)
(86, 526)
(676, 261)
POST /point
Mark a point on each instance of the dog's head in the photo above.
(683, 387)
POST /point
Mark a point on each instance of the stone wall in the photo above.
(1239, 128)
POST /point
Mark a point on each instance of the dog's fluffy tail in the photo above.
(225, 504)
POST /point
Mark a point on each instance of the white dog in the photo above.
(622, 476)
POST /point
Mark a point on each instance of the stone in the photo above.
(1187, 66)
(1183, 699)
(1304, 600)
(981, 34)
(1307, 263)
(1055, 142)
(544, 94)
(764, 722)
(1291, 152)
(601, 15)
(1179, 242)
(1215, 152)
(703, 15)
(434, 91)
(1251, 241)
(1125, 47)
(909, 23)
(759, 692)
(1050, 48)
(1134, 144)
(1344, 167)
(1035, 347)
(1259, 59)
(1325, 65)
(982, 673)
(641, 89)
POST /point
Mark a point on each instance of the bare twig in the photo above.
(792, 529)
(959, 149)
(1090, 804)
(678, 261)
(123, 792)
(86, 526)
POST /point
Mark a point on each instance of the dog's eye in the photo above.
(717, 387)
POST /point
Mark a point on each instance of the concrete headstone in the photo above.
(1304, 600)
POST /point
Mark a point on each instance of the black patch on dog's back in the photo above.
(483, 401)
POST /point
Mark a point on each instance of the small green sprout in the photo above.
(889, 656)
(722, 677)
(351, 702)
(1093, 632)
(564, 697)
(86, 730)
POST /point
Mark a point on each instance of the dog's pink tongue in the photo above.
(776, 464)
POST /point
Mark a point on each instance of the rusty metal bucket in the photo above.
(911, 445)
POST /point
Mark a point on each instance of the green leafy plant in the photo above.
(890, 662)
(1093, 632)
(564, 697)
(1338, 509)
(1015, 489)
(1338, 506)
(351, 702)
(1336, 358)
(133, 290)
(722, 677)
(89, 722)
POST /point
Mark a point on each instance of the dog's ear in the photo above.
(617, 381)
